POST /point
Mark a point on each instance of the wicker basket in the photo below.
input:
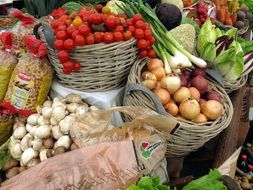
(231, 86)
(188, 136)
(103, 66)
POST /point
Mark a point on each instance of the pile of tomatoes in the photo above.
(92, 26)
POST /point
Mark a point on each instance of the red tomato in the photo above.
(77, 66)
(151, 53)
(68, 65)
(99, 8)
(110, 22)
(69, 44)
(55, 23)
(119, 29)
(146, 26)
(117, 21)
(74, 34)
(139, 34)
(61, 35)
(70, 30)
(140, 24)
(108, 37)
(143, 53)
(105, 16)
(62, 27)
(95, 19)
(148, 34)
(59, 44)
(118, 36)
(130, 22)
(98, 37)
(66, 71)
(152, 40)
(137, 17)
(131, 29)
(142, 44)
(90, 39)
(79, 40)
(127, 35)
(63, 55)
(84, 30)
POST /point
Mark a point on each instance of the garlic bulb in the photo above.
(73, 98)
(33, 119)
(48, 103)
(82, 111)
(72, 107)
(15, 149)
(42, 132)
(19, 133)
(18, 124)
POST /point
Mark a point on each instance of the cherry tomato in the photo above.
(127, 35)
(140, 24)
(152, 40)
(79, 40)
(119, 29)
(146, 26)
(69, 44)
(98, 37)
(151, 53)
(61, 35)
(122, 15)
(77, 21)
(90, 39)
(110, 22)
(137, 17)
(95, 19)
(58, 44)
(63, 55)
(130, 22)
(131, 29)
(117, 21)
(118, 36)
(143, 53)
(77, 66)
(108, 37)
(68, 65)
(142, 44)
(147, 34)
(99, 7)
(105, 16)
(84, 30)
(74, 34)
(62, 27)
(66, 71)
(139, 34)
(70, 30)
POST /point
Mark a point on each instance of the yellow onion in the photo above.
(189, 108)
(212, 109)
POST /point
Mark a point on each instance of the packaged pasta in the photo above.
(31, 79)
(8, 62)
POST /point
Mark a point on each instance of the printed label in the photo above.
(148, 149)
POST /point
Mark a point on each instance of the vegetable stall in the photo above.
(125, 94)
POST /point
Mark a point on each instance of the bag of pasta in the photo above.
(6, 123)
(31, 79)
(7, 62)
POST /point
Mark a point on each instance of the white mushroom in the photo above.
(58, 113)
(64, 141)
(82, 111)
(42, 132)
(66, 123)
(46, 112)
(30, 128)
(56, 132)
(43, 154)
(33, 119)
(48, 103)
(28, 155)
(43, 121)
(18, 124)
(15, 149)
(26, 141)
(73, 98)
(37, 144)
(19, 132)
(33, 162)
(72, 107)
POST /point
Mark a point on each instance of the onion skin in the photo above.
(212, 95)
(201, 118)
(171, 108)
(202, 101)
(148, 76)
(150, 84)
(198, 71)
(194, 93)
(212, 109)
(200, 83)
(163, 95)
(154, 63)
(189, 109)
(181, 94)
(158, 72)
(171, 83)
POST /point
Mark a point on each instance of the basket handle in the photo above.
(47, 31)
(136, 87)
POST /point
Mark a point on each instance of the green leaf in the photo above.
(236, 70)
(231, 33)
(162, 187)
(247, 46)
(146, 183)
(134, 187)
(156, 181)
(209, 53)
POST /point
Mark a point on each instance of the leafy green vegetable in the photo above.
(207, 182)
(149, 183)
(72, 7)
(186, 20)
(247, 46)
(249, 4)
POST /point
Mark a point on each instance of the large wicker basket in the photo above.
(103, 66)
(231, 86)
(188, 136)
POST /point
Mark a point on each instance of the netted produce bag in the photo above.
(31, 79)
(8, 62)
(6, 122)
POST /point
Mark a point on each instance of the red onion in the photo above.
(198, 71)
(200, 83)
(214, 96)
(184, 80)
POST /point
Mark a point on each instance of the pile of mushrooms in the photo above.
(244, 182)
(46, 133)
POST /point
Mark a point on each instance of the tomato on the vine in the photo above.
(137, 17)
(118, 36)
(151, 53)
(143, 53)
(69, 65)
(146, 26)
(95, 19)
(62, 35)
(127, 35)
(69, 44)
(98, 37)
(84, 30)
(142, 44)
(70, 30)
(79, 40)
(110, 22)
(139, 34)
(90, 39)
(140, 24)
(63, 55)
(59, 44)
(119, 29)
(108, 37)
